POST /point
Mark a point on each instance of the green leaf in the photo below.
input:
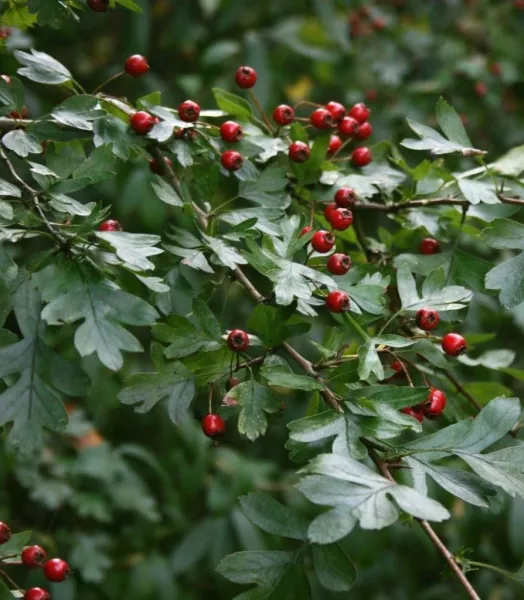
(22, 143)
(508, 277)
(282, 376)
(115, 132)
(226, 254)
(255, 567)
(395, 396)
(369, 362)
(15, 545)
(333, 567)
(133, 249)
(232, 104)
(331, 526)
(183, 338)
(166, 192)
(269, 189)
(42, 68)
(511, 163)
(90, 556)
(273, 517)
(78, 112)
(451, 124)
(130, 4)
(478, 191)
(5, 591)
(193, 546)
(8, 190)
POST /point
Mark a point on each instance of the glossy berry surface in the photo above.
(435, 403)
(56, 570)
(345, 197)
(37, 594)
(454, 344)
(158, 168)
(231, 131)
(413, 411)
(337, 302)
(427, 319)
(341, 219)
(189, 111)
(98, 5)
(142, 122)
(306, 230)
(328, 210)
(429, 246)
(110, 225)
(360, 112)
(398, 367)
(213, 425)
(136, 65)
(5, 533)
(337, 110)
(322, 241)
(338, 264)
(231, 160)
(299, 152)
(347, 126)
(321, 119)
(246, 77)
(238, 340)
(364, 131)
(33, 557)
(283, 115)
(335, 143)
(361, 156)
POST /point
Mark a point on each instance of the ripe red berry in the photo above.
(323, 241)
(364, 131)
(427, 319)
(413, 411)
(328, 210)
(496, 69)
(345, 197)
(232, 382)
(238, 340)
(481, 89)
(33, 556)
(283, 115)
(231, 160)
(110, 225)
(378, 24)
(56, 570)
(213, 425)
(371, 95)
(299, 152)
(157, 167)
(98, 5)
(454, 344)
(321, 119)
(189, 111)
(136, 65)
(360, 112)
(429, 246)
(398, 367)
(142, 122)
(335, 143)
(347, 126)
(337, 302)
(435, 403)
(5, 533)
(23, 114)
(338, 264)
(246, 77)
(337, 110)
(5, 32)
(341, 219)
(36, 594)
(361, 156)
(306, 230)
(230, 131)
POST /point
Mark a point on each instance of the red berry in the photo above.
(337, 110)
(364, 131)
(246, 77)
(238, 340)
(36, 594)
(337, 302)
(435, 403)
(378, 24)
(230, 131)
(189, 111)
(371, 95)
(213, 425)
(158, 168)
(429, 246)
(6, 78)
(5, 32)
(232, 382)
(341, 219)
(110, 225)
(427, 319)
(56, 570)
(306, 230)
(98, 5)
(481, 89)
(338, 264)
(335, 143)
(360, 112)
(518, 4)
(142, 122)
(34, 556)
(231, 160)
(136, 65)
(496, 69)
(5, 533)
(299, 152)
(398, 367)
(321, 119)
(347, 126)
(361, 156)
(283, 115)
(345, 197)
(413, 411)
(454, 344)
(328, 210)
(19, 115)
(323, 241)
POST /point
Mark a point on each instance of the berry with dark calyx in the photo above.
(435, 404)
(323, 241)
(321, 119)
(360, 112)
(413, 411)
(158, 168)
(232, 382)
(246, 77)
(345, 197)
(337, 110)
(136, 65)
(238, 340)
(231, 160)
(213, 425)
(56, 570)
(98, 5)
(361, 156)
(110, 225)
(306, 230)
(427, 319)
(230, 131)
(429, 246)
(364, 131)
(189, 111)
(335, 143)
(337, 302)
(142, 122)
(454, 344)
(299, 152)
(33, 557)
(347, 126)
(5, 533)
(37, 594)
(328, 210)
(338, 264)
(341, 219)
(283, 115)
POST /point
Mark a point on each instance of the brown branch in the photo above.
(425, 203)
(460, 388)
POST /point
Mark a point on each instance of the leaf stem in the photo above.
(262, 112)
(107, 82)
(351, 321)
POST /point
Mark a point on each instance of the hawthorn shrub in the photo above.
(312, 285)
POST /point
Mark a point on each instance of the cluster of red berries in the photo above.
(453, 344)
(431, 408)
(55, 570)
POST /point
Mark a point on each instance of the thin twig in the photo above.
(460, 388)
(404, 368)
(10, 581)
